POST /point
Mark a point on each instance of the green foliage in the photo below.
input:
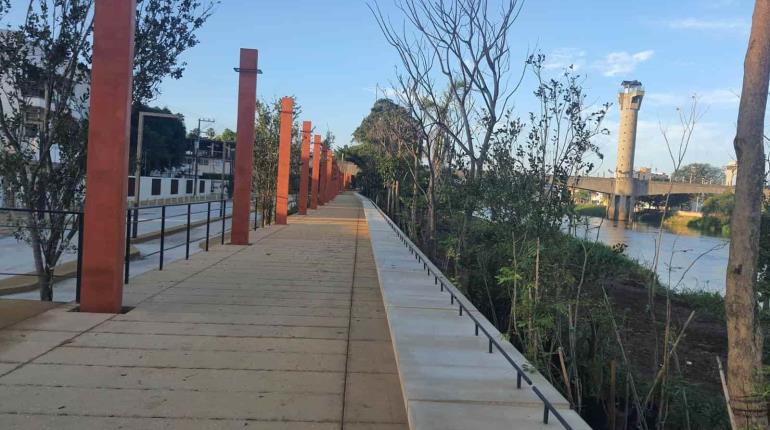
(699, 173)
(164, 143)
(591, 210)
(164, 30)
(227, 135)
(717, 212)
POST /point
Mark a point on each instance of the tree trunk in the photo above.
(744, 359)
(45, 281)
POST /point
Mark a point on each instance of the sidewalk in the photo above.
(288, 333)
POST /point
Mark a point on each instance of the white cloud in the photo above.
(728, 24)
(723, 97)
(622, 62)
(562, 58)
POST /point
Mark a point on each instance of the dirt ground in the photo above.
(704, 340)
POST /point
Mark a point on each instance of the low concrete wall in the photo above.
(449, 379)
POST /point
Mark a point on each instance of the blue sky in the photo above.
(331, 55)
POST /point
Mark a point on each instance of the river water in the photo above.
(688, 259)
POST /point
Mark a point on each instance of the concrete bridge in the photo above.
(647, 188)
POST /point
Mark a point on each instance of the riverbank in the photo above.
(557, 287)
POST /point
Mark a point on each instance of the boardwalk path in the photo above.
(288, 333)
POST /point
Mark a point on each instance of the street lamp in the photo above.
(197, 144)
(138, 161)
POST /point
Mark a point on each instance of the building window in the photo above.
(155, 186)
(131, 186)
(202, 187)
(174, 186)
(189, 187)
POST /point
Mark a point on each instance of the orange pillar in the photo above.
(316, 168)
(304, 167)
(284, 158)
(244, 146)
(322, 178)
(104, 240)
(329, 166)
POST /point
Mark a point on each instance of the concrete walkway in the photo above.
(288, 333)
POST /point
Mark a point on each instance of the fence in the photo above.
(143, 225)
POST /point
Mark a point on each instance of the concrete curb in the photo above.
(28, 281)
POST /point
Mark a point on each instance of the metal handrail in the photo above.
(439, 278)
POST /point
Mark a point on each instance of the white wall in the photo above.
(212, 188)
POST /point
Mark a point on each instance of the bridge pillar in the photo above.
(244, 146)
(284, 158)
(316, 168)
(107, 166)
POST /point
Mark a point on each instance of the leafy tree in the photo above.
(719, 206)
(699, 173)
(227, 135)
(164, 145)
(210, 133)
(48, 58)
(267, 134)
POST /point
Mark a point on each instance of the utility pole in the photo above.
(138, 161)
(197, 144)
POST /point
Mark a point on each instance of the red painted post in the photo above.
(244, 146)
(316, 168)
(322, 181)
(284, 158)
(107, 166)
(329, 165)
(304, 168)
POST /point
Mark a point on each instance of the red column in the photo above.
(284, 158)
(322, 182)
(329, 160)
(304, 168)
(104, 240)
(316, 168)
(244, 146)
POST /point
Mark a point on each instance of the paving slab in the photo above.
(287, 333)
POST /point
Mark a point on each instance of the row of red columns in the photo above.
(108, 143)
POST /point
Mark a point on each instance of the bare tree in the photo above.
(462, 45)
(744, 334)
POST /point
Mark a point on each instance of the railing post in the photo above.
(81, 223)
(224, 217)
(187, 239)
(208, 225)
(135, 223)
(256, 211)
(127, 262)
(162, 234)
(545, 413)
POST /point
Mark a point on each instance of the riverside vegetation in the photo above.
(482, 190)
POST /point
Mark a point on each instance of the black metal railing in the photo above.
(216, 215)
(16, 220)
(493, 344)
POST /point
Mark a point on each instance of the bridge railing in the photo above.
(493, 343)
